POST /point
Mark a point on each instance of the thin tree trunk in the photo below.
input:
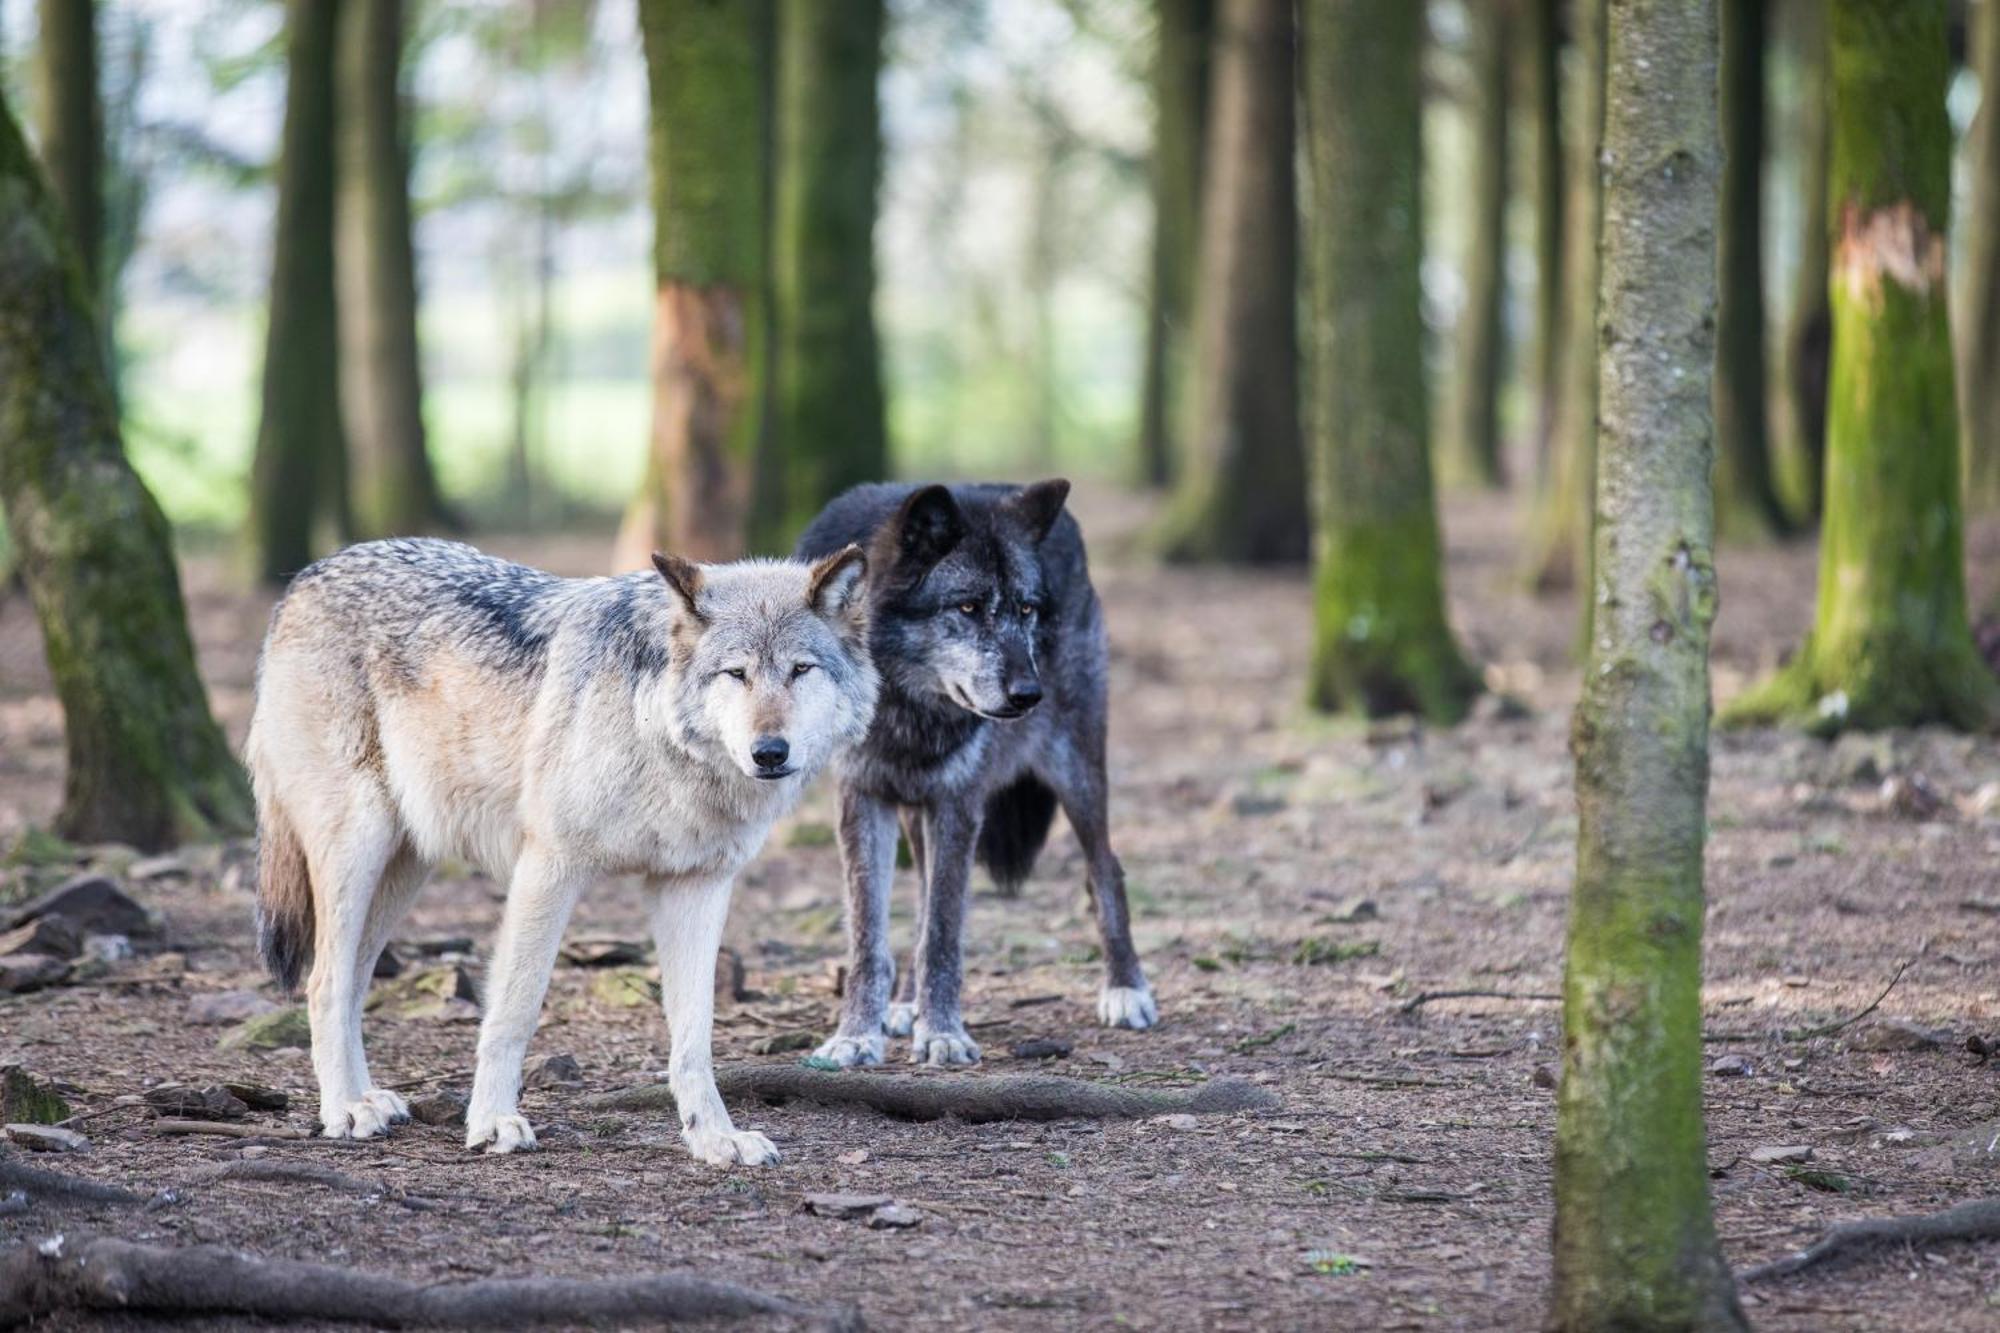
(1890, 644)
(708, 67)
(1809, 337)
(1476, 453)
(1542, 40)
(299, 478)
(1381, 641)
(381, 375)
(830, 431)
(1180, 122)
(146, 763)
(1746, 491)
(1635, 1245)
(1242, 494)
(72, 127)
(1979, 284)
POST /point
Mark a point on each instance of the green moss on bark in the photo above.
(72, 126)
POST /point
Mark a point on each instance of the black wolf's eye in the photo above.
(736, 673)
(1029, 610)
(800, 669)
(968, 608)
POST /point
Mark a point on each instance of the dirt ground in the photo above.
(1403, 1183)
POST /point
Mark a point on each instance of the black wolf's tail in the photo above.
(284, 899)
(1017, 824)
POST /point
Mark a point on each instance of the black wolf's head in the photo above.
(958, 596)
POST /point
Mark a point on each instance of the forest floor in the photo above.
(1295, 882)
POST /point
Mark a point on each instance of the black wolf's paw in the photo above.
(848, 1052)
(1127, 1007)
(942, 1045)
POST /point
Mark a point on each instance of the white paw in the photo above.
(500, 1133)
(942, 1046)
(902, 1017)
(367, 1118)
(848, 1052)
(736, 1147)
(1127, 1007)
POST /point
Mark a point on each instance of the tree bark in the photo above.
(830, 432)
(298, 482)
(1381, 641)
(709, 68)
(1809, 336)
(1746, 491)
(146, 763)
(1979, 284)
(1890, 644)
(381, 385)
(1635, 1245)
(1476, 456)
(72, 127)
(1180, 122)
(1242, 494)
(1561, 538)
(1542, 41)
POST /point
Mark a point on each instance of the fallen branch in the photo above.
(1824, 1029)
(39, 1184)
(230, 1129)
(976, 1099)
(1419, 1000)
(102, 1273)
(1977, 1220)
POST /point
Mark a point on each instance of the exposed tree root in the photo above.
(1977, 1220)
(975, 1099)
(103, 1273)
(45, 1185)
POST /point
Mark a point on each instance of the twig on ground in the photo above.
(37, 1183)
(1422, 998)
(976, 1099)
(1388, 1080)
(103, 1273)
(300, 1173)
(1823, 1029)
(229, 1129)
(1976, 1220)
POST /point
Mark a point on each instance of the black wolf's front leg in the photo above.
(938, 1035)
(868, 856)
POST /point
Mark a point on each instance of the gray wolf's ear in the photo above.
(835, 589)
(928, 527)
(1037, 507)
(683, 579)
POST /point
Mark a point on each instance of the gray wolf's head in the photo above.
(958, 597)
(771, 666)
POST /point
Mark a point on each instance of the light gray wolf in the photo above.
(417, 700)
(991, 645)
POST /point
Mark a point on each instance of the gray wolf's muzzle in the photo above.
(771, 755)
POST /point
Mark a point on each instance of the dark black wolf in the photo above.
(990, 642)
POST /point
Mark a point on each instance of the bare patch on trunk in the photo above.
(1896, 243)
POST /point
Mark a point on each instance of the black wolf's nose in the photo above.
(770, 751)
(1025, 694)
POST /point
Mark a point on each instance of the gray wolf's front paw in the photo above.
(734, 1147)
(1127, 1007)
(848, 1052)
(499, 1133)
(902, 1017)
(942, 1045)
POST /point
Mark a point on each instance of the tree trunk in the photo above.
(1809, 338)
(1543, 42)
(1890, 644)
(146, 763)
(1382, 643)
(1561, 538)
(708, 67)
(1242, 495)
(381, 376)
(1635, 1245)
(1979, 284)
(1476, 454)
(1180, 121)
(1746, 492)
(72, 127)
(830, 432)
(298, 481)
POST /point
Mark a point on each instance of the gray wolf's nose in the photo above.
(770, 751)
(1024, 694)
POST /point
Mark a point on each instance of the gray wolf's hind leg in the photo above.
(903, 1012)
(1125, 1001)
(687, 931)
(868, 859)
(348, 872)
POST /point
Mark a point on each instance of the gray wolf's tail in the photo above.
(1017, 824)
(284, 899)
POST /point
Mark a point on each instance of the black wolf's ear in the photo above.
(684, 579)
(928, 527)
(1037, 507)
(835, 590)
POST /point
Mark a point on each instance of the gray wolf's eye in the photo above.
(800, 669)
(968, 608)
(736, 673)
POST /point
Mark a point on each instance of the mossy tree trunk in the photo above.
(1809, 335)
(1381, 641)
(146, 763)
(1475, 456)
(1746, 490)
(298, 484)
(1541, 40)
(1890, 644)
(394, 489)
(830, 430)
(1241, 497)
(1979, 283)
(72, 126)
(1560, 540)
(708, 66)
(1635, 1245)
(1180, 124)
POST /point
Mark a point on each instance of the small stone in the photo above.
(1774, 1154)
(1731, 1066)
(894, 1217)
(457, 1011)
(603, 951)
(93, 904)
(258, 1097)
(167, 866)
(856, 1157)
(1984, 803)
(845, 1205)
(1251, 805)
(25, 1099)
(1040, 1048)
(272, 1031)
(387, 965)
(30, 971)
(1181, 1121)
(217, 1008)
(1895, 1034)
(730, 981)
(1356, 910)
(424, 993)
(46, 1138)
(182, 1101)
(1911, 796)
(55, 936)
(1543, 1077)
(783, 1043)
(625, 987)
(553, 1071)
(108, 949)
(438, 1108)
